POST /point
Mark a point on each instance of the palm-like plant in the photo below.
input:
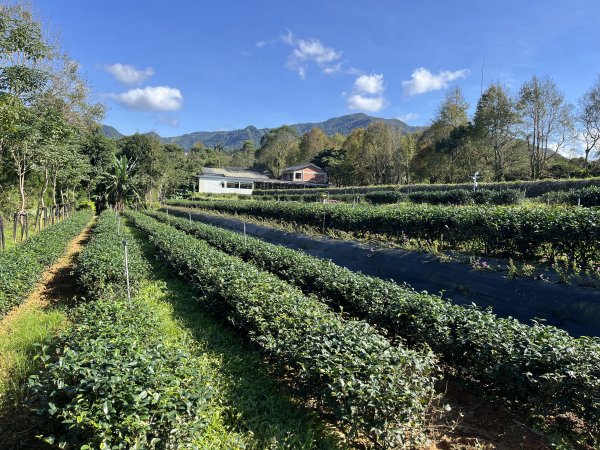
(119, 183)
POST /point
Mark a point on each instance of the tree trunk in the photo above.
(44, 190)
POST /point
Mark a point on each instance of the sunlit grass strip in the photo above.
(18, 345)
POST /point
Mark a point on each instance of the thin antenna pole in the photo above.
(482, 65)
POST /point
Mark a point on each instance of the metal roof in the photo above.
(302, 166)
(234, 172)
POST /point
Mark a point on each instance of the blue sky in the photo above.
(182, 66)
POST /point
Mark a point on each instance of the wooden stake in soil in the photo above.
(127, 270)
(2, 243)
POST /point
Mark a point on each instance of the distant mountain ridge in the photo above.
(232, 140)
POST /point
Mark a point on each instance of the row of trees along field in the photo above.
(51, 148)
(510, 136)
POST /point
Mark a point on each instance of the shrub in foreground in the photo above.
(353, 372)
(109, 381)
(539, 368)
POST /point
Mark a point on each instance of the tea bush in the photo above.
(22, 266)
(530, 188)
(589, 196)
(540, 368)
(353, 372)
(101, 264)
(512, 231)
(109, 381)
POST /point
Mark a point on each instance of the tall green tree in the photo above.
(332, 161)
(279, 149)
(379, 153)
(23, 77)
(356, 166)
(440, 145)
(495, 123)
(145, 152)
(100, 152)
(546, 122)
(312, 143)
(120, 184)
(588, 121)
(244, 157)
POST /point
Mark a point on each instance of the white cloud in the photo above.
(158, 98)
(370, 84)
(261, 44)
(310, 50)
(409, 117)
(422, 80)
(332, 69)
(364, 103)
(368, 93)
(288, 37)
(127, 74)
(313, 49)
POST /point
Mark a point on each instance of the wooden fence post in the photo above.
(15, 218)
(2, 243)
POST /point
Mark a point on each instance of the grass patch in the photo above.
(18, 341)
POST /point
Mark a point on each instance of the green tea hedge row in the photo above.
(589, 196)
(514, 231)
(539, 367)
(22, 266)
(449, 197)
(530, 188)
(353, 372)
(109, 381)
(101, 264)
(466, 197)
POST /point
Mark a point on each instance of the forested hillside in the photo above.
(234, 139)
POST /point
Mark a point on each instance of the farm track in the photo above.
(57, 288)
(575, 309)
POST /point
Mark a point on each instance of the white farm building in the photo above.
(231, 180)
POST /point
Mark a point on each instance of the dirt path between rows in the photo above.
(57, 284)
(57, 287)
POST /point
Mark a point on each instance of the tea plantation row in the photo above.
(530, 188)
(354, 373)
(512, 231)
(449, 197)
(537, 368)
(109, 380)
(22, 266)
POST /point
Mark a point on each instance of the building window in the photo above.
(233, 185)
(298, 175)
(245, 185)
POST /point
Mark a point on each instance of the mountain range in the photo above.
(233, 140)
